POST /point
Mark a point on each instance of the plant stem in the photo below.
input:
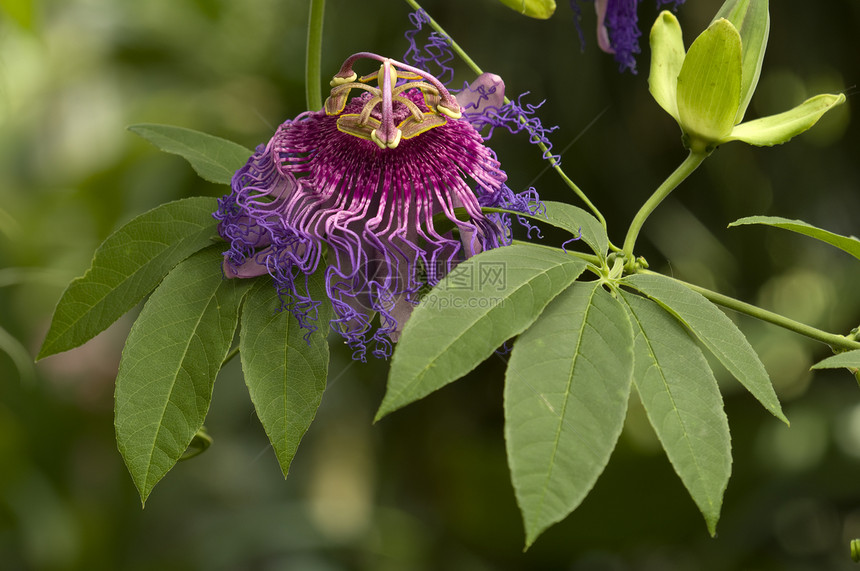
(690, 164)
(313, 75)
(455, 47)
(835, 341)
(233, 352)
(572, 185)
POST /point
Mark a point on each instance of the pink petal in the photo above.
(488, 90)
(602, 31)
(251, 268)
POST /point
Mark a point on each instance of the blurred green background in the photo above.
(428, 487)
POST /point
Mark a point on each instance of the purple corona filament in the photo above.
(483, 105)
(483, 101)
(618, 27)
(385, 184)
(435, 55)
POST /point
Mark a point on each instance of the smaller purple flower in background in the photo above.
(618, 27)
(375, 184)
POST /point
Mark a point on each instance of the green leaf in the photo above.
(168, 367)
(566, 391)
(848, 359)
(752, 21)
(577, 221)
(458, 324)
(683, 404)
(127, 266)
(284, 371)
(709, 85)
(779, 128)
(851, 245)
(667, 58)
(715, 330)
(540, 9)
(215, 159)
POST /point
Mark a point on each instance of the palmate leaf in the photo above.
(213, 158)
(171, 358)
(566, 391)
(578, 222)
(683, 404)
(285, 373)
(452, 330)
(848, 359)
(848, 244)
(715, 330)
(581, 224)
(126, 267)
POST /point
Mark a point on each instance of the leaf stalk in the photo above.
(833, 340)
(684, 170)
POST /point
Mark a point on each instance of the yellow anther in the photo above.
(393, 144)
(375, 139)
(386, 144)
(341, 80)
(449, 112)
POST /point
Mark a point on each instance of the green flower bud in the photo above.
(709, 86)
(667, 57)
(752, 21)
(779, 128)
(707, 90)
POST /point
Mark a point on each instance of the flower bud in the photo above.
(751, 19)
(707, 90)
(709, 86)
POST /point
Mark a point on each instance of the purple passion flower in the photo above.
(618, 27)
(385, 184)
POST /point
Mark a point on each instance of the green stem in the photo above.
(313, 75)
(455, 47)
(233, 352)
(199, 444)
(832, 339)
(442, 224)
(690, 164)
(572, 186)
